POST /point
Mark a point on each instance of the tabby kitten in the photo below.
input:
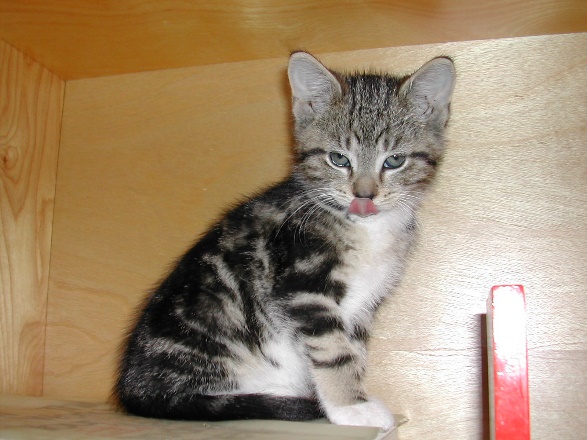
(268, 315)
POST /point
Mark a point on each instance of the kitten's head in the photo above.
(369, 143)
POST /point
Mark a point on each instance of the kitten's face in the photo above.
(372, 147)
(369, 143)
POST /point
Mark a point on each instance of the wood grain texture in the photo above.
(31, 101)
(85, 38)
(149, 160)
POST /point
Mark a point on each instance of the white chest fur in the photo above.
(373, 266)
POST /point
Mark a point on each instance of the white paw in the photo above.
(370, 413)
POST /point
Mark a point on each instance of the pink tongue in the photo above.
(363, 207)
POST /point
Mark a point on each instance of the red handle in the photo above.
(508, 363)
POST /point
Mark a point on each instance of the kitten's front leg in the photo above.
(337, 368)
(337, 365)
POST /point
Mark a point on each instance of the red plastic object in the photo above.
(508, 363)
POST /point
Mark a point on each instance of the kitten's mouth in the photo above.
(363, 207)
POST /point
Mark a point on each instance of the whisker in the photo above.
(308, 214)
(412, 210)
(307, 199)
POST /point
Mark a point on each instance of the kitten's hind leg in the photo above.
(225, 407)
(264, 406)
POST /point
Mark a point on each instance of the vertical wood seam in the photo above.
(33, 112)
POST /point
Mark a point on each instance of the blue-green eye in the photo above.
(340, 160)
(394, 162)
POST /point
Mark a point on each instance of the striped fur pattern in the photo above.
(269, 313)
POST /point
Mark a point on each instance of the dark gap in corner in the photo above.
(485, 394)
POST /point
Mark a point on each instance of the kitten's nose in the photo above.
(365, 188)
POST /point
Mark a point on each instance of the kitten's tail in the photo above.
(226, 407)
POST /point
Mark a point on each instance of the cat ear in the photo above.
(430, 89)
(313, 86)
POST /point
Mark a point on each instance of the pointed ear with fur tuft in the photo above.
(313, 86)
(429, 90)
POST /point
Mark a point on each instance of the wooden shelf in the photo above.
(42, 418)
(86, 38)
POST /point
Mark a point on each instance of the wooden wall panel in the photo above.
(148, 160)
(85, 38)
(509, 207)
(31, 101)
